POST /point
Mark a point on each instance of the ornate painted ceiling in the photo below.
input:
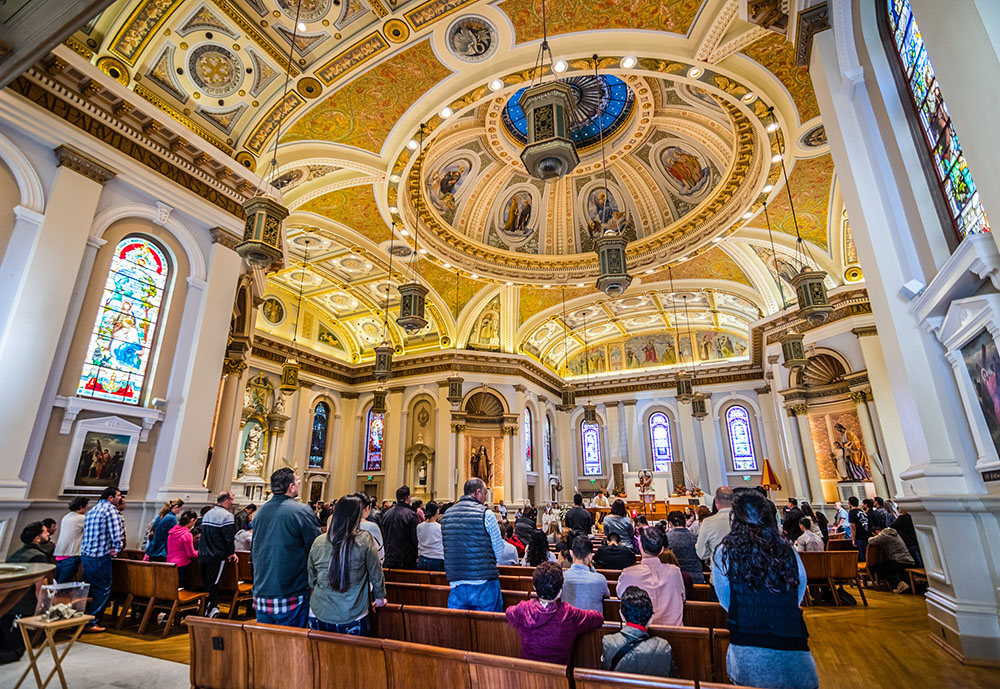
(682, 98)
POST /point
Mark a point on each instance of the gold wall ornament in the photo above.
(261, 244)
(289, 376)
(115, 69)
(854, 274)
(233, 367)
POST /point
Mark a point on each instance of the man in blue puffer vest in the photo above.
(472, 546)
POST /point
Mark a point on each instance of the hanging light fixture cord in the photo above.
(690, 341)
(298, 309)
(538, 71)
(774, 260)
(801, 247)
(388, 285)
(673, 303)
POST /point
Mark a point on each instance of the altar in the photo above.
(663, 486)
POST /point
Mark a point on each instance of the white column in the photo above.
(613, 415)
(693, 445)
(457, 478)
(38, 275)
(770, 426)
(345, 459)
(635, 454)
(442, 481)
(860, 398)
(800, 477)
(178, 463)
(394, 442)
(895, 457)
(223, 467)
(564, 431)
(517, 480)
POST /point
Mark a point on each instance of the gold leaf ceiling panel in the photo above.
(567, 16)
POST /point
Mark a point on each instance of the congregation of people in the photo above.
(322, 565)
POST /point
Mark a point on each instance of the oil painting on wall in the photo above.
(983, 364)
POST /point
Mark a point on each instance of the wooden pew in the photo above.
(405, 593)
(347, 661)
(701, 592)
(388, 622)
(509, 583)
(408, 576)
(602, 679)
(155, 585)
(220, 658)
(438, 627)
(704, 614)
(280, 657)
(491, 634)
(494, 672)
(692, 649)
(407, 663)
(720, 646)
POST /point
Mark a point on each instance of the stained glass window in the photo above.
(950, 165)
(317, 445)
(591, 437)
(659, 440)
(548, 445)
(374, 440)
(740, 439)
(119, 350)
(529, 461)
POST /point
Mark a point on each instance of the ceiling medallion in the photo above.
(472, 38)
(396, 30)
(305, 11)
(216, 70)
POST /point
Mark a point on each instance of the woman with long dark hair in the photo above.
(537, 551)
(760, 581)
(618, 522)
(343, 565)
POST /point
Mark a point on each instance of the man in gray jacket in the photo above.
(632, 649)
(897, 559)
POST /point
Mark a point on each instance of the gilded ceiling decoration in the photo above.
(777, 55)
(354, 207)
(567, 16)
(810, 183)
(714, 264)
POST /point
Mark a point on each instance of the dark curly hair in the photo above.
(754, 553)
(547, 580)
(538, 548)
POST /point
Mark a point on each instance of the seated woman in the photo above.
(618, 523)
(343, 566)
(180, 547)
(553, 532)
(548, 627)
(537, 551)
(760, 581)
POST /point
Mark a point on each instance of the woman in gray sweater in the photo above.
(343, 566)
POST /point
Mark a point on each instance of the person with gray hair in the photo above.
(713, 529)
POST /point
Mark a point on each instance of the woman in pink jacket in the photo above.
(180, 546)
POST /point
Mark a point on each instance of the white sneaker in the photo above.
(902, 588)
(214, 612)
(160, 617)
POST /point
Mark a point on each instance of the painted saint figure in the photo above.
(855, 462)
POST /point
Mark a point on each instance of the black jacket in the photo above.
(523, 528)
(218, 534)
(791, 524)
(579, 519)
(399, 533)
(614, 557)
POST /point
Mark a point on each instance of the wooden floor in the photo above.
(885, 644)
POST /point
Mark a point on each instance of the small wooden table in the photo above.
(50, 628)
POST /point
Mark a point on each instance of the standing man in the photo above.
(579, 519)
(790, 525)
(103, 538)
(472, 547)
(67, 552)
(399, 533)
(217, 544)
(283, 532)
(502, 509)
(713, 529)
(860, 530)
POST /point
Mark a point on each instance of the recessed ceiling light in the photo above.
(545, 286)
(423, 251)
(510, 284)
(747, 215)
(628, 62)
(404, 232)
(773, 127)
(474, 276)
(302, 26)
(579, 284)
(717, 240)
(393, 210)
(446, 265)
(394, 178)
(650, 271)
(496, 85)
(768, 188)
(683, 258)
(560, 66)
(447, 112)
(776, 158)
(695, 72)
(750, 97)
(412, 145)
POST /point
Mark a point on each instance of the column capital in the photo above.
(233, 367)
(224, 237)
(78, 161)
(864, 331)
(766, 390)
(798, 409)
(629, 403)
(348, 395)
(457, 427)
(861, 396)
(520, 388)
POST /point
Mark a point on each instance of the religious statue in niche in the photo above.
(849, 455)
(251, 450)
(486, 330)
(481, 465)
(422, 474)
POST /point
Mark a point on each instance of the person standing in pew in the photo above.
(472, 548)
(284, 530)
(760, 581)
(632, 649)
(614, 555)
(343, 566)
(547, 625)
(430, 550)
(216, 545)
(399, 532)
(584, 588)
(578, 518)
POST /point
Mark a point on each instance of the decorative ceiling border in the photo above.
(134, 35)
(433, 11)
(362, 51)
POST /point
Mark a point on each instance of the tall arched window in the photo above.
(373, 441)
(590, 437)
(119, 351)
(950, 165)
(548, 445)
(740, 438)
(317, 444)
(529, 461)
(659, 440)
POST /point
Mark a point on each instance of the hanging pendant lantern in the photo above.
(699, 408)
(261, 244)
(378, 402)
(455, 389)
(569, 396)
(685, 387)
(289, 376)
(793, 350)
(383, 362)
(810, 290)
(550, 152)
(412, 299)
(614, 278)
(589, 413)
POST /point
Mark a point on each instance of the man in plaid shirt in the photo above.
(103, 538)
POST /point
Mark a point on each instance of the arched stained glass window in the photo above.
(590, 435)
(548, 445)
(950, 165)
(119, 351)
(374, 440)
(740, 439)
(317, 445)
(659, 440)
(529, 461)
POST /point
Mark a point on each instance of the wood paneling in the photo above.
(408, 664)
(280, 657)
(491, 672)
(492, 634)
(345, 661)
(599, 679)
(223, 659)
(438, 627)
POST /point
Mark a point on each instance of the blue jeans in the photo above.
(485, 597)
(97, 573)
(299, 617)
(66, 569)
(862, 545)
(431, 564)
(360, 627)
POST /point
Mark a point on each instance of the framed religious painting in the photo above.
(101, 455)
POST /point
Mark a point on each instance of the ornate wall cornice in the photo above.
(78, 161)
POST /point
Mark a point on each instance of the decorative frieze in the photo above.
(78, 161)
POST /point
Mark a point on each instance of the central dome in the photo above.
(602, 105)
